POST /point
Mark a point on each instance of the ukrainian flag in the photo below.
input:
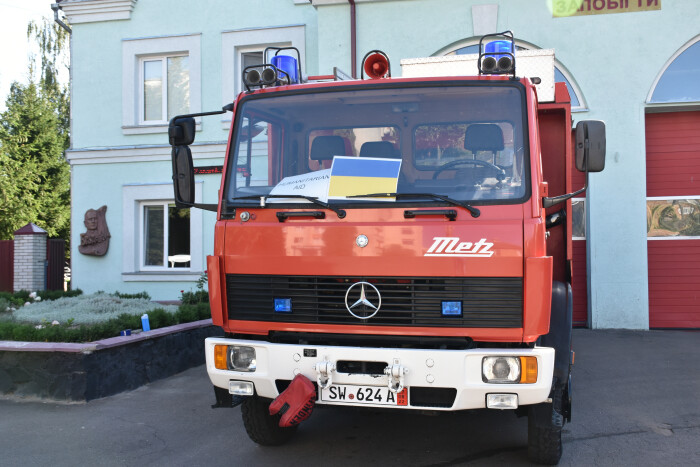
(359, 176)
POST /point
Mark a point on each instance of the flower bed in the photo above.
(87, 318)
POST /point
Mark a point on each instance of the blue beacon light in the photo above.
(288, 65)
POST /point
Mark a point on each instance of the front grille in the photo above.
(405, 301)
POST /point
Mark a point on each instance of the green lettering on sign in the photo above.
(566, 8)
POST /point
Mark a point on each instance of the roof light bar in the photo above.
(497, 57)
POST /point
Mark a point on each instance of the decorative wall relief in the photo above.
(95, 242)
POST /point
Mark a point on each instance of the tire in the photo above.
(544, 426)
(263, 428)
(543, 444)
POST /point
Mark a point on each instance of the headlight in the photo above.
(500, 369)
(241, 358)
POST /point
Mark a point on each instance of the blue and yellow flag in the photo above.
(363, 175)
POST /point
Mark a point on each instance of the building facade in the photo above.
(632, 63)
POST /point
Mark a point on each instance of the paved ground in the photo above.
(636, 403)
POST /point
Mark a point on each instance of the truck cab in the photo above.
(395, 241)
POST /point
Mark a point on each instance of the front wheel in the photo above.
(544, 426)
(262, 427)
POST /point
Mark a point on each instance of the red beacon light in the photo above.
(376, 65)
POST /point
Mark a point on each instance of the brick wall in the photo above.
(30, 258)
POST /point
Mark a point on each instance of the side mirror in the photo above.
(183, 176)
(590, 146)
(181, 131)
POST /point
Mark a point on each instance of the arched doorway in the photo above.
(672, 127)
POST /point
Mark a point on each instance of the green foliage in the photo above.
(86, 309)
(198, 296)
(67, 332)
(20, 297)
(143, 295)
(192, 298)
(34, 133)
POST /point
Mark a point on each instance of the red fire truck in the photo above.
(399, 243)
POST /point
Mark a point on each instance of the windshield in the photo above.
(465, 142)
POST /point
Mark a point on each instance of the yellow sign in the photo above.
(564, 8)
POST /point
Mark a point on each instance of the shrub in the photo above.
(66, 331)
(143, 295)
(86, 309)
(192, 298)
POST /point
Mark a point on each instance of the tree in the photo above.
(34, 133)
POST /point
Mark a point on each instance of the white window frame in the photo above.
(235, 43)
(134, 198)
(668, 63)
(134, 52)
(670, 198)
(141, 85)
(165, 204)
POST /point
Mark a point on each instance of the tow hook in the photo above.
(396, 372)
(323, 371)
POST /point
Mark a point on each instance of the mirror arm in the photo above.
(224, 109)
(548, 202)
(178, 201)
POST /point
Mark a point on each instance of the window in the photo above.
(249, 59)
(160, 242)
(161, 77)
(678, 81)
(578, 218)
(165, 88)
(673, 218)
(165, 240)
(560, 75)
(337, 145)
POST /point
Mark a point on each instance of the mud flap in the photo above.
(295, 403)
(559, 338)
(225, 400)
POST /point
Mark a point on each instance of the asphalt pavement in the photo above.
(636, 403)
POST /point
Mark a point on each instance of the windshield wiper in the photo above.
(472, 210)
(340, 212)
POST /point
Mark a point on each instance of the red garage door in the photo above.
(673, 219)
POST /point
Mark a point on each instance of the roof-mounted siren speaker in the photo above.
(498, 57)
(376, 64)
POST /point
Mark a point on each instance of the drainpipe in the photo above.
(353, 38)
(55, 7)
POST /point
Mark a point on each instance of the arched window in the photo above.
(560, 74)
(679, 80)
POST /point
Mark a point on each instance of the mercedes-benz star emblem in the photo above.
(365, 298)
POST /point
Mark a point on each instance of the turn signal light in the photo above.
(220, 357)
(528, 370)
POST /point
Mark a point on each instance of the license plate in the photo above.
(360, 395)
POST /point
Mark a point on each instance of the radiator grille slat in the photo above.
(406, 301)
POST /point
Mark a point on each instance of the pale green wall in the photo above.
(97, 59)
(613, 58)
(102, 184)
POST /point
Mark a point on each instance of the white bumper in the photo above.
(458, 369)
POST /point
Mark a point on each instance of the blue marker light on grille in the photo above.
(451, 308)
(283, 305)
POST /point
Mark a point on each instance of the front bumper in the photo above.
(427, 368)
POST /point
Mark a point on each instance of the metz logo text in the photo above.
(452, 246)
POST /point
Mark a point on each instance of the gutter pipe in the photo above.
(353, 38)
(55, 7)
